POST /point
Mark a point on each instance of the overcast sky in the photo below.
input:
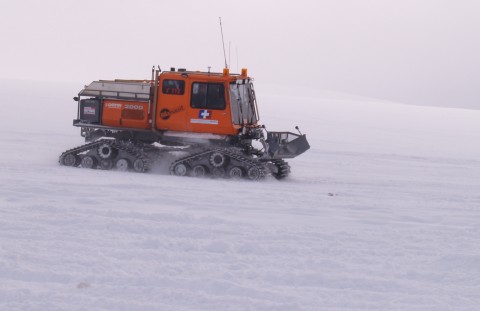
(411, 51)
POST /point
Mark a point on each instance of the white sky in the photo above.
(412, 51)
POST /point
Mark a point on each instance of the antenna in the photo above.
(236, 48)
(223, 43)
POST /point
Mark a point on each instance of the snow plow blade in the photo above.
(286, 144)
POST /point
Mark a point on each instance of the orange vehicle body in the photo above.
(174, 106)
(121, 113)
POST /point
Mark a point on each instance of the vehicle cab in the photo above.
(204, 102)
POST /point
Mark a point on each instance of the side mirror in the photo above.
(75, 98)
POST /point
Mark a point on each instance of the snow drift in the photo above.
(382, 213)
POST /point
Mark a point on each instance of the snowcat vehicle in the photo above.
(197, 123)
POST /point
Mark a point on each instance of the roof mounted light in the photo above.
(226, 72)
(244, 72)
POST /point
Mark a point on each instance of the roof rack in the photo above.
(118, 89)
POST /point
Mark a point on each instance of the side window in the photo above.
(173, 87)
(208, 95)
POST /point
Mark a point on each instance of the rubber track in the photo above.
(246, 161)
(129, 148)
(283, 169)
(79, 149)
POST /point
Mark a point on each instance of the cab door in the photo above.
(209, 109)
(172, 103)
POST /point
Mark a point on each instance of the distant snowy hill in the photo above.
(382, 213)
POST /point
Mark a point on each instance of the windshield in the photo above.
(243, 102)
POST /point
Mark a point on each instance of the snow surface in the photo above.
(382, 213)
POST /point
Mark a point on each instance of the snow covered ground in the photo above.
(382, 213)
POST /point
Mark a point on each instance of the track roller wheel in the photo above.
(106, 164)
(253, 173)
(139, 166)
(217, 159)
(180, 169)
(235, 172)
(199, 171)
(105, 151)
(88, 162)
(70, 160)
(122, 165)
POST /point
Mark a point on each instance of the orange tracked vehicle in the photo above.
(207, 124)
